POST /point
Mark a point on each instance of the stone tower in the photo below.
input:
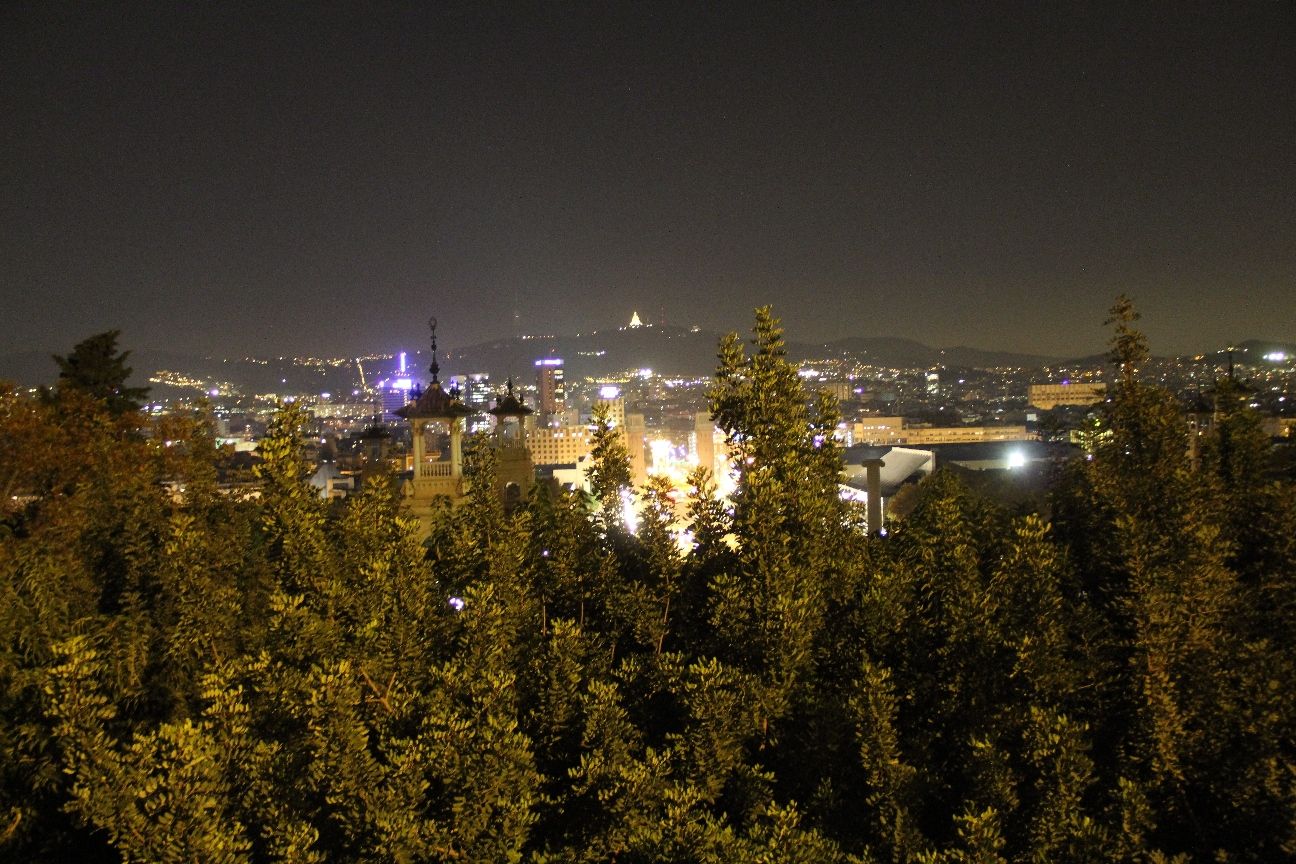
(436, 426)
(515, 472)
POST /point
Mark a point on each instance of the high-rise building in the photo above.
(610, 395)
(477, 391)
(395, 391)
(551, 391)
(394, 398)
(477, 396)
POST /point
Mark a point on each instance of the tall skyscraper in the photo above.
(477, 391)
(394, 397)
(551, 392)
(477, 396)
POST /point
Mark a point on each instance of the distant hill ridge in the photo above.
(677, 351)
(667, 350)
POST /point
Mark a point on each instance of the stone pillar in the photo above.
(704, 440)
(419, 445)
(873, 487)
(456, 448)
(635, 432)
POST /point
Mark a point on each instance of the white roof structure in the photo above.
(899, 464)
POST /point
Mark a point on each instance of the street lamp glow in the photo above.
(628, 514)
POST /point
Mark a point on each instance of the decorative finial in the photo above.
(510, 385)
(435, 368)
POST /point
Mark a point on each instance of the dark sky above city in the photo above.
(320, 178)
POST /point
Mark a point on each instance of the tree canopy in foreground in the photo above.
(205, 678)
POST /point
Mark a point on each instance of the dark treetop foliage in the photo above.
(209, 678)
(96, 368)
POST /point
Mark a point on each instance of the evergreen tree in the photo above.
(609, 475)
(187, 675)
(95, 367)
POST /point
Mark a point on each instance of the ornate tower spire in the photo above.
(435, 368)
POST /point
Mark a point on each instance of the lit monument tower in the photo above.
(437, 430)
(514, 470)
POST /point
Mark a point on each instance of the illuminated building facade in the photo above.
(1078, 394)
(394, 399)
(551, 390)
(892, 431)
(567, 445)
(396, 392)
(477, 396)
(560, 445)
(610, 395)
(477, 391)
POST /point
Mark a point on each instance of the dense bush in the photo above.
(202, 678)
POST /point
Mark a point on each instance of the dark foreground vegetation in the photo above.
(202, 679)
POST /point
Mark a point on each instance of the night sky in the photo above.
(315, 178)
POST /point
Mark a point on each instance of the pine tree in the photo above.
(95, 367)
(609, 475)
(787, 514)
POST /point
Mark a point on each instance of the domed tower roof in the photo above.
(509, 405)
(435, 403)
